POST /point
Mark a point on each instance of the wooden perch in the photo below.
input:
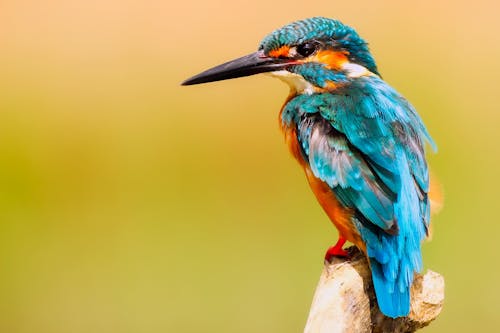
(344, 300)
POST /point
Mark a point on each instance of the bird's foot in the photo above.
(337, 250)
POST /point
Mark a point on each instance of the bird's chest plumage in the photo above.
(338, 214)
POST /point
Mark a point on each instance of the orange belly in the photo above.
(339, 215)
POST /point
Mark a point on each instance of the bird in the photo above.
(360, 143)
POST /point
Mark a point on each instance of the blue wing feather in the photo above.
(367, 144)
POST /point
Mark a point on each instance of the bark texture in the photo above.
(344, 300)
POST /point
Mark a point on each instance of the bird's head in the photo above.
(311, 55)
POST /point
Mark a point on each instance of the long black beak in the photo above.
(250, 64)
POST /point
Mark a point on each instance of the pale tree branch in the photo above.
(344, 300)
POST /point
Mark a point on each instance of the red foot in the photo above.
(336, 250)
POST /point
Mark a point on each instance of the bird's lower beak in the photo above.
(250, 64)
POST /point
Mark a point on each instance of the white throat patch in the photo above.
(295, 81)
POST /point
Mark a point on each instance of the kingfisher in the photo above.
(361, 145)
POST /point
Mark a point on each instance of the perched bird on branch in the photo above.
(360, 143)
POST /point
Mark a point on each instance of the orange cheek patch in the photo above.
(281, 52)
(332, 59)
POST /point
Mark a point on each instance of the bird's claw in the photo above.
(336, 251)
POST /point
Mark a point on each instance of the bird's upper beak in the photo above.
(251, 64)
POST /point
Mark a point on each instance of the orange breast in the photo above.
(339, 215)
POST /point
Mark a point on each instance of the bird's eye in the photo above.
(306, 49)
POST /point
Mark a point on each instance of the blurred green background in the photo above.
(131, 204)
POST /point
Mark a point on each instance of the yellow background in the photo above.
(131, 204)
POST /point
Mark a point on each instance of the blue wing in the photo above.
(367, 144)
(344, 168)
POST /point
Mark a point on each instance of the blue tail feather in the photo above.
(394, 259)
(392, 300)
